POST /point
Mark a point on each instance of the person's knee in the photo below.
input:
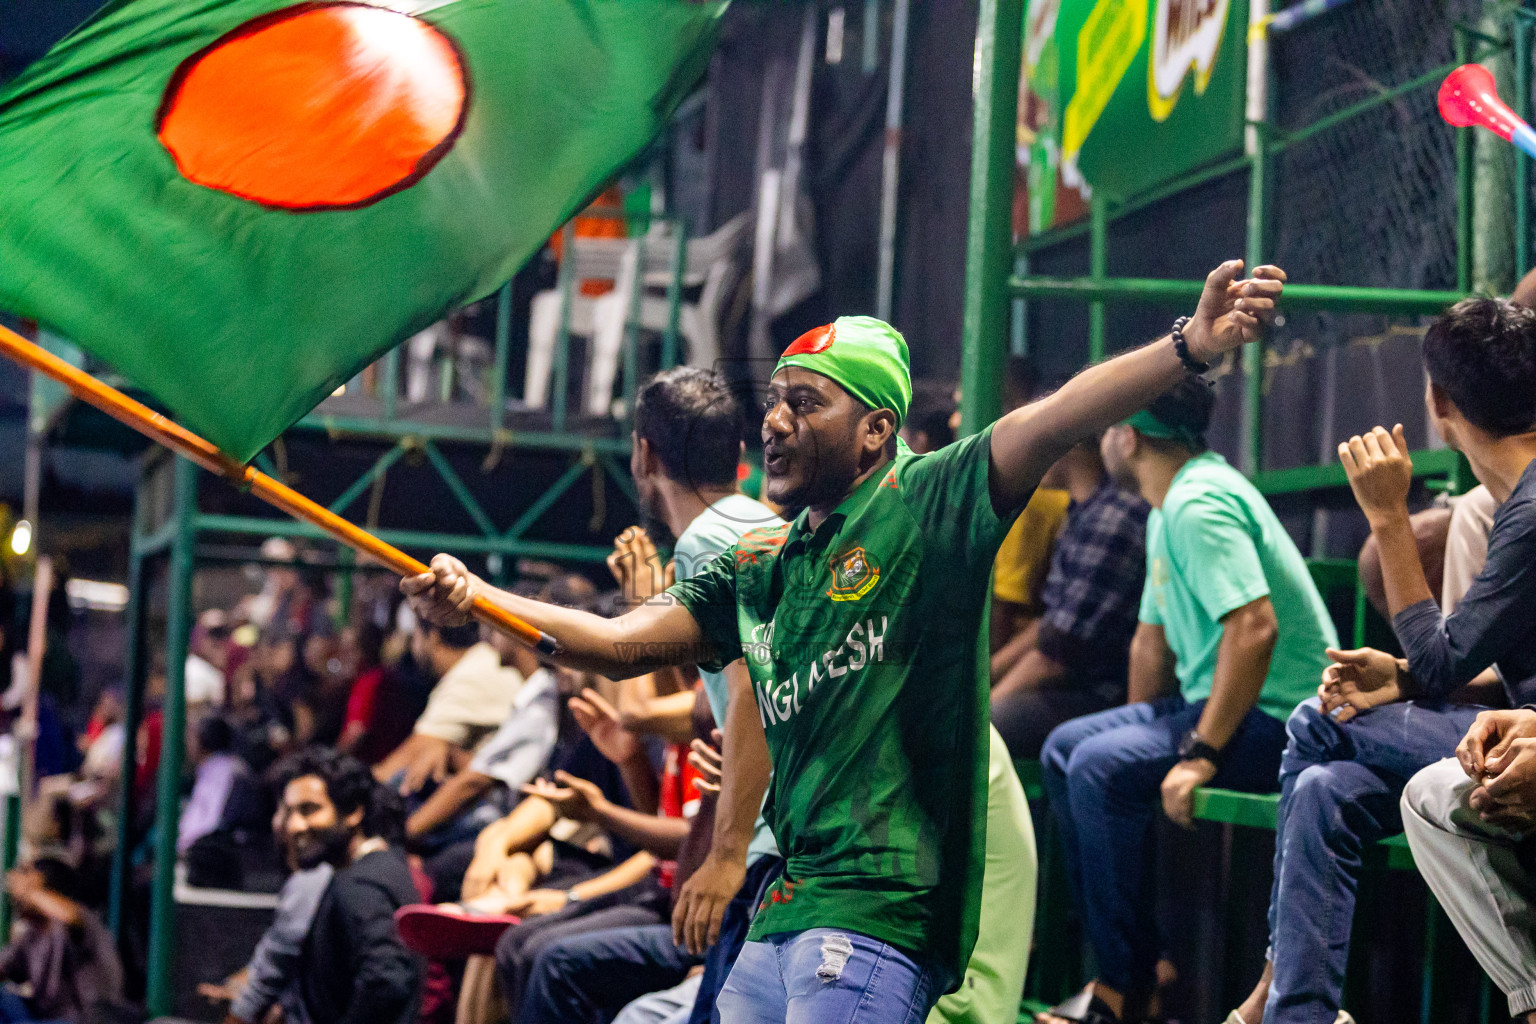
(1437, 793)
(1105, 761)
(1056, 751)
(1306, 726)
(1317, 800)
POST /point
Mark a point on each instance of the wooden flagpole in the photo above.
(247, 478)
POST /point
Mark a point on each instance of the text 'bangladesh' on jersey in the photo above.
(867, 645)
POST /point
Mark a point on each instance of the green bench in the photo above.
(1219, 806)
(1258, 810)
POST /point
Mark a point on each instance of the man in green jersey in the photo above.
(863, 626)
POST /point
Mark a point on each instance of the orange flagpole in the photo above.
(183, 442)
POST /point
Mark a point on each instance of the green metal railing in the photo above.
(989, 261)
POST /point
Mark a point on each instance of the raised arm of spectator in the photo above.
(548, 901)
(1027, 441)
(26, 888)
(583, 800)
(653, 635)
(446, 801)
(1443, 652)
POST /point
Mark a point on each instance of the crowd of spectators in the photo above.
(462, 831)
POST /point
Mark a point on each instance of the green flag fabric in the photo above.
(238, 204)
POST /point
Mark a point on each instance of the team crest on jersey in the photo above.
(854, 574)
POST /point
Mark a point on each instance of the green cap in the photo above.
(865, 356)
(1148, 425)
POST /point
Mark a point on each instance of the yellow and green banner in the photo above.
(1120, 96)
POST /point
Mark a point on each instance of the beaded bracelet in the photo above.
(1181, 348)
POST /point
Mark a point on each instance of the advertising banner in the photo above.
(1121, 96)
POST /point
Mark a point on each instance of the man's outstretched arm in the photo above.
(654, 635)
(1027, 441)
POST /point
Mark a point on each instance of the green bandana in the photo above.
(865, 356)
(1149, 425)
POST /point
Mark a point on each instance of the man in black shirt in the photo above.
(354, 968)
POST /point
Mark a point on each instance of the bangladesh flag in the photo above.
(238, 204)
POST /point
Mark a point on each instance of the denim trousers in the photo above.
(589, 978)
(734, 925)
(1339, 790)
(1103, 775)
(826, 974)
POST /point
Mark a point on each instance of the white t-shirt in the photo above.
(472, 699)
(202, 683)
(714, 532)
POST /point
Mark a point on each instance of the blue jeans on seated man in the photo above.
(1339, 791)
(588, 979)
(1103, 776)
(827, 974)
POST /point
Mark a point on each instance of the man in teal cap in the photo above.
(863, 626)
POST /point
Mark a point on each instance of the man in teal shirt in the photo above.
(863, 624)
(1233, 625)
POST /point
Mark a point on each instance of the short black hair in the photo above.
(215, 735)
(348, 782)
(459, 637)
(58, 877)
(1186, 406)
(1482, 354)
(693, 422)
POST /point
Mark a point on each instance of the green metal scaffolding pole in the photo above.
(162, 917)
(988, 255)
(1172, 291)
(133, 715)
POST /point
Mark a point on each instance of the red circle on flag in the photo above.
(319, 106)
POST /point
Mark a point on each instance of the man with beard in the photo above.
(864, 628)
(353, 969)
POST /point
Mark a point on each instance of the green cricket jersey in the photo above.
(867, 644)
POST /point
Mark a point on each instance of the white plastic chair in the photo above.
(711, 261)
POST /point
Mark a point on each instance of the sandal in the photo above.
(451, 931)
(1084, 1008)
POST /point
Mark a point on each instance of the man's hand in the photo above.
(636, 565)
(537, 902)
(577, 799)
(1232, 312)
(1380, 473)
(1179, 787)
(601, 722)
(444, 595)
(1358, 681)
(707, 762)
(1508, 797)
(1490, 735)
(429, 762)
(702, 903)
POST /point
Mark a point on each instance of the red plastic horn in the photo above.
(1468, 97)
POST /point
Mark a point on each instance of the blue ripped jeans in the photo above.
(823, 975)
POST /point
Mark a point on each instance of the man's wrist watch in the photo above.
(1193, 748)
(572, 896)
